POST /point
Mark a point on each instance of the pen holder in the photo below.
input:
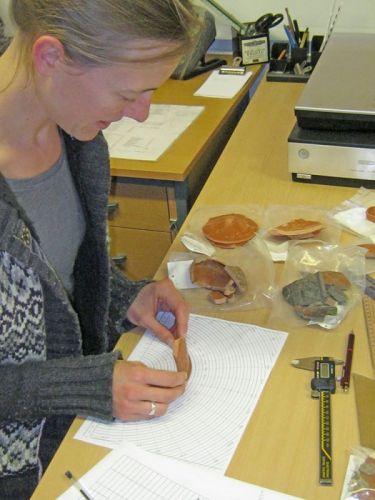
(298, 55)
(278, 66)
(315, 58)
(283, 69)
(279, 48)
(316, 43)
(279, 53)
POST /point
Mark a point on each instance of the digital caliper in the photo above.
(323, 385)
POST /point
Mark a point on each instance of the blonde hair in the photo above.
(96, 32)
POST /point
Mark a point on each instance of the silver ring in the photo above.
(152, 409)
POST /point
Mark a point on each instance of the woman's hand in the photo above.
(155, 297)
(139, 392)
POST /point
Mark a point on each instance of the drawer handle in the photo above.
(173, 227)
(112, 208)
(120, 260)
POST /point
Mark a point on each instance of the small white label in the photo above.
(303, 176)
(197, 244)
(179, 274)
(254, 50)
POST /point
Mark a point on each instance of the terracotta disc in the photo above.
(370, 247)
(298, 228)
(370, 214)
(230, 230)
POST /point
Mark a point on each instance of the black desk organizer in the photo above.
(253, 49)
(282, 70)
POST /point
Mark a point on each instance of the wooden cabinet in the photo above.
(139, 204)
(144, 250)
(139, 225)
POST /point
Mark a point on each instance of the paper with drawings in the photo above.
(130, 472)
(148, 140)
(231, 363)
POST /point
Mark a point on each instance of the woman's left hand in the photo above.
(160, 296)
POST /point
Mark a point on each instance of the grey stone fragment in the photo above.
(315, 312)
(313, 298)
(305, 291)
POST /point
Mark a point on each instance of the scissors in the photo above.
(264, 23)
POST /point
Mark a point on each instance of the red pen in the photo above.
(345, 379)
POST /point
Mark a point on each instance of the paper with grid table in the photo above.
(132, 473)
(231, 364)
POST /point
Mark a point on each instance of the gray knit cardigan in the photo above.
(55, 350)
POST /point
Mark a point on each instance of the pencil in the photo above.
(345, 379)
(297, 31)
(304, 38)
(290, 37)
(290, 24)
(77, 485)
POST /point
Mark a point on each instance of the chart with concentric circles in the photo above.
(231, 363)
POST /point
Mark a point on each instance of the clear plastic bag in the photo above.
(369, 256)
(351, 214)
(255, 262)
(359, 483)
(336, 273)
(199, 218)
(276, 215)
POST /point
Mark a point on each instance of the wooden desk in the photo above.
(279, 448)
(150, 199)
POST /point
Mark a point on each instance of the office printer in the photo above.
(333, 141)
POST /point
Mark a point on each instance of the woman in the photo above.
(73, 67)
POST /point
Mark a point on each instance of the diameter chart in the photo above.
(231, 364)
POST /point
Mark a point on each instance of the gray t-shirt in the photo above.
(51, 202)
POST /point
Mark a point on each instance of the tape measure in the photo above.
(369, 313)
(370, 286)
(323, 385)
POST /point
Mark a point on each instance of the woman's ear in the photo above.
(47, 53)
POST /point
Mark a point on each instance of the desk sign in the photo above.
(254, 49)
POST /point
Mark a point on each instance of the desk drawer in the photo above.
(144, 250)
(138, 204)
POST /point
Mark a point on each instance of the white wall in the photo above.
(355, 16)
